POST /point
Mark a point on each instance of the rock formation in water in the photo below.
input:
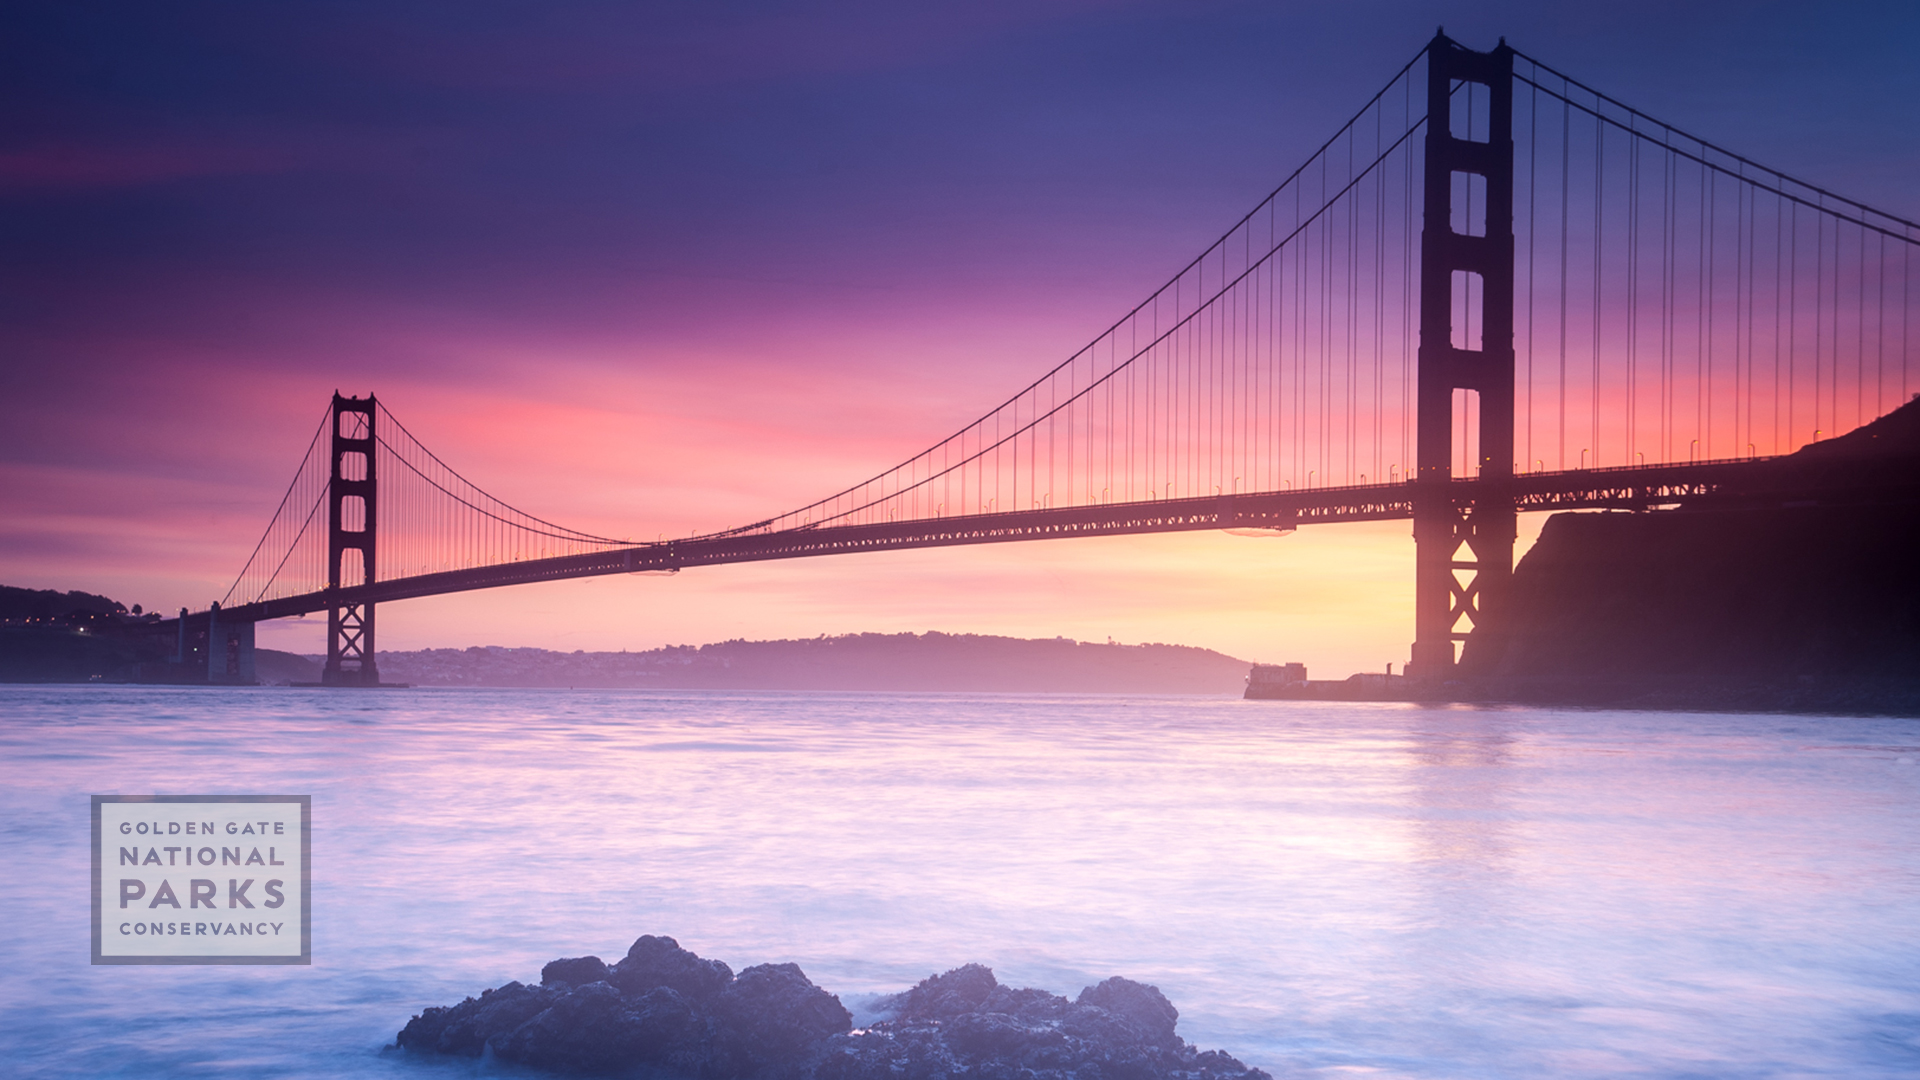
(664, 1011)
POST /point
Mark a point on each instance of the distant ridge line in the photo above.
(932, 661)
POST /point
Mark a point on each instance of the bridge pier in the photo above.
(1463, 543)
(352, 514)
(350, 660)
(229, 650)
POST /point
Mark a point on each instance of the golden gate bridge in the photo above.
(1495, 289)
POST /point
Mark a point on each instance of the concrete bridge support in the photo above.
(229, 650)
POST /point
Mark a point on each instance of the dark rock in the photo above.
(660, 961)
(675, 1035)
(589, 1030)
(594, 1030)
(1212, 1064)
(963, 990)
(465, 1028)
(985, 1035)
(888, 1053)
(423, 1031)
(576, 972)
(1027, 1004)
(664, 1012)
(1142, 1005)
(1093, 1024)
(773, 1013)
(963, 1023)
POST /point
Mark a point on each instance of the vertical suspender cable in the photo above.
(1703, 320)
(1533, 198)
(1819, 315)
(1792, 325)
(1599, 248)
(1750, 210)
(1633, 294)
(1880, 318)
(1566, 174)
(1860, 336)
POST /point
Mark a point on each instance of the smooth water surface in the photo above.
(1322, 889)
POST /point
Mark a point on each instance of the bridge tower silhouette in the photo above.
(1471, 536)
(353, 514)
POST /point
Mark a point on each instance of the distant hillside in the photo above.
(50, 636)
(275, 668)
(53, 607)
(932, 661)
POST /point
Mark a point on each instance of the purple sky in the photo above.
(656, 267)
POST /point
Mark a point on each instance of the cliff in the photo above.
(50, 636)
(1807, 606)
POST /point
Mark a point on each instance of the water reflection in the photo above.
(1461, 783)
(1323, 889)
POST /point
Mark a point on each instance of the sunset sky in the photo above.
(646, 268)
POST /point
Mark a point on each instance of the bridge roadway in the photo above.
(1751, 481)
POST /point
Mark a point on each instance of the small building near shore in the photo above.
(1267, 680)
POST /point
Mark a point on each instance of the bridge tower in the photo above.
(1463, 561)
(352, 513)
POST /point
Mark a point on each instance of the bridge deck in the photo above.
(1757, 480)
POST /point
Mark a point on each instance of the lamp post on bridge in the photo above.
(1452, 533)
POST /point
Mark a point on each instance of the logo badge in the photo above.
(202, 879)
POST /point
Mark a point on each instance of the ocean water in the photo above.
(1323, 889)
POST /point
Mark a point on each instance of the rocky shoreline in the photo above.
(662, 1011)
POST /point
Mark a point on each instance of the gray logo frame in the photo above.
(306, 880)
